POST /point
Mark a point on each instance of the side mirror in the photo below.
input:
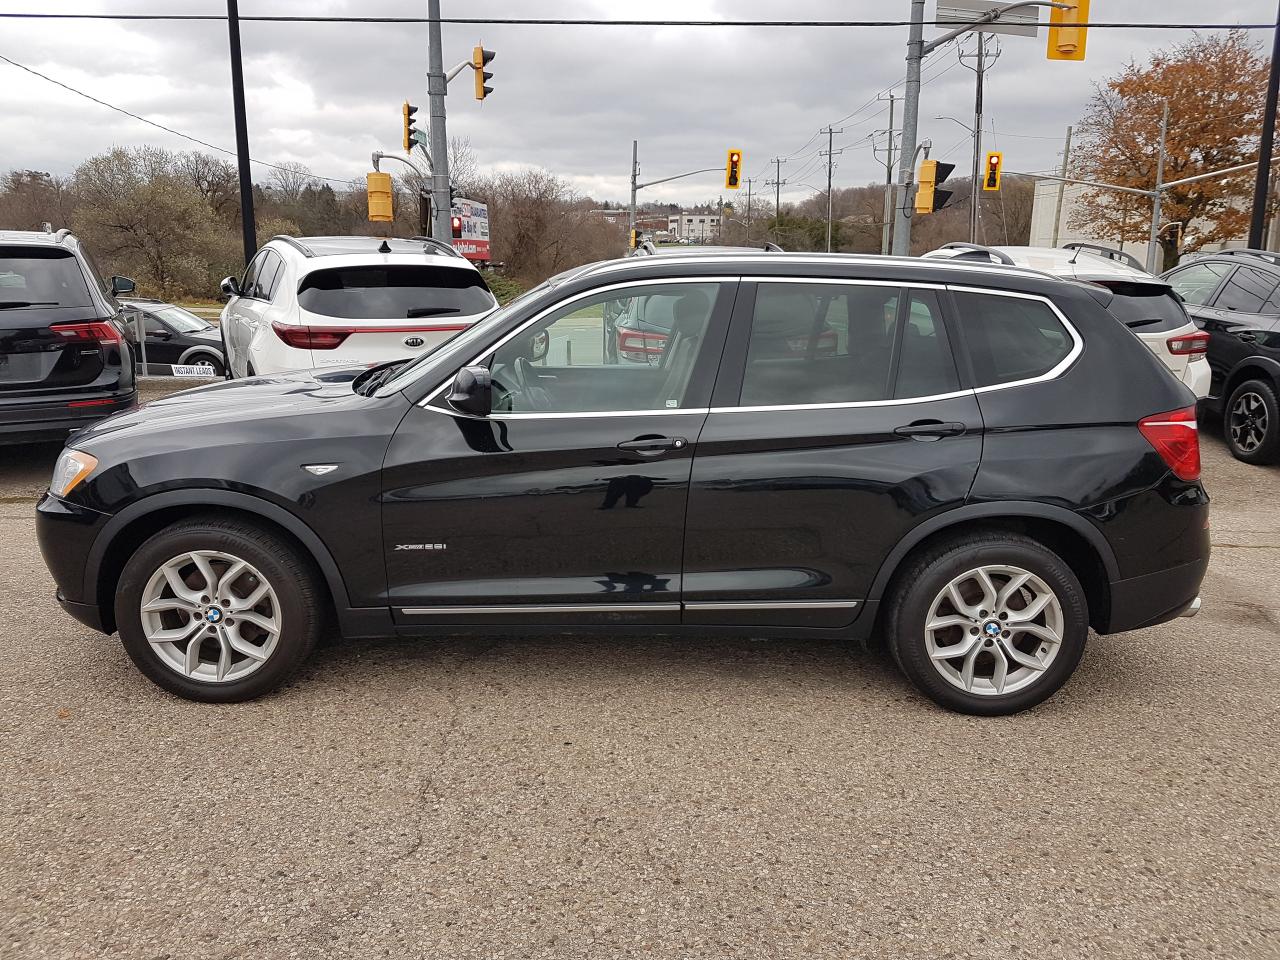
(230, 287)
(472, 391)
(121, 285)
(539, 344)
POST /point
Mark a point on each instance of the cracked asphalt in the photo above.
(591, 797)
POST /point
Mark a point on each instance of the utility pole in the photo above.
(1262, 187)
(1154, 254)
(1062, 187)
(437, 85)
(748, 220)
(248, 226)
(777, 184)
(975, 186)
(910, 124)
(886, 229)
(830, 154)
(631, 210)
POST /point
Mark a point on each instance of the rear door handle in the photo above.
(654, 444)
(1247, 337)
(930, 430)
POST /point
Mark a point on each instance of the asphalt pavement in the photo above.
(593, 797)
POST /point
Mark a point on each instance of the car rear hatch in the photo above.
(371, 313)
(53, 339)
(1155, 315)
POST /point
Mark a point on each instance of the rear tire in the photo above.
(208, 359)
(978, 596)
(1251, 423)
(248, 600)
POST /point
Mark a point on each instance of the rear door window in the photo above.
(1247, 291)
(1146, 307)
(927, 367)
(1195, 284)
(1011, 339)
(395, 291)
(41, 277)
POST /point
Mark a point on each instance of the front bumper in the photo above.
(66, 533)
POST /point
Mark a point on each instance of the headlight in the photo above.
(72, 467)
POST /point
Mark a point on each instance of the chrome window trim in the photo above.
(546, 608)
(621, 285)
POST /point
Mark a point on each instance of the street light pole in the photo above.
(1154, 259)
(1263, 186)
(631, 210)
(248, 227)
(910, 126)
(437, 85)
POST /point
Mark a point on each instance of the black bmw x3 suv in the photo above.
(981, 466)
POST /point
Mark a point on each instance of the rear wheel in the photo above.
(218, 610)
(990, 624)
(1251, 422)
(219, 369)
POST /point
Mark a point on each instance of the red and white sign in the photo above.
(474, 242)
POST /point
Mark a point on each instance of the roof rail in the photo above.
(771, 247)
(62, 234)
(1271, 256)
(996, 256)
(294, 242)
(1109, 253)
(445, 248)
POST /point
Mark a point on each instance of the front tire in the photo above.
(218, 610)
(990, 624)
(209, 360)
(1251, 423)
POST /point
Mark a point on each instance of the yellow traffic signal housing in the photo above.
(733, 170)
(634, 239)
(1066, 35)
(480, 58)
(929, 199)
(991, 178)
(378, 186)
(410, 131)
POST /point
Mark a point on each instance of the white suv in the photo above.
(1142, 302)
(320, 301)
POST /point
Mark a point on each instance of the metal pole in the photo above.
(748, 223)
(631, 210)
(1263, 185)
(248, 226)
(887, 229)
(777, 197)
(1062, 188)
(831, 156)
(910, 121)
(975, 188)
(437, 85)
(1155, 256)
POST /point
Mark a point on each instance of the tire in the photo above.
(1251, 423)
(922, 591)
(235, 661)
(219, 368)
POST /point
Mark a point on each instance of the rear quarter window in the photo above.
(1011, 338)
(394, 291)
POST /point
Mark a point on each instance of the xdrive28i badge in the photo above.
(413, 341)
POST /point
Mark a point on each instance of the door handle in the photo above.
(930, 430)
(654, 444)
(1247, 337)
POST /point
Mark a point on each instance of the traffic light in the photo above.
(480, 58)
(991, 179)
(733, 170)
(635, 239)
(1066, 36)
(455, 227)
(378, 186)
(410, 131)
(929, 199)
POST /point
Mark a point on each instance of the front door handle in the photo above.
(1247, 337)
(930, 430)
(654, 444)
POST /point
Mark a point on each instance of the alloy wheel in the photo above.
(1248, 422)
(210, 616)
(994, 630)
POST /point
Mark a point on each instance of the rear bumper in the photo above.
(51, 420)
(1157, 597)
(1198, 377)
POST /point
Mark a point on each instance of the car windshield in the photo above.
(40, 277)
(181, 321)
(1145, 307)
(385, 292)
(412, 371)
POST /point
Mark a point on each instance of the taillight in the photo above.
(1176, 439)
(629, 341)
(92, 331)
(1188, 344)
(310, 338)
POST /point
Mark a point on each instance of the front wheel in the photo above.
(1251, 422)
(990, 624)
(217, 610)
(218, 369)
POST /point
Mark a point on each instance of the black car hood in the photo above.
(211, 334)
(277, 397)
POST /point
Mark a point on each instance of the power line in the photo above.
(586, 22)
(152, 123)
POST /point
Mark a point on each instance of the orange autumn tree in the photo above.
(1215, 87)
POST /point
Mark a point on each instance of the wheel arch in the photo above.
(1251, 368)
(1081, 546)
(202, 349)
(128, 529)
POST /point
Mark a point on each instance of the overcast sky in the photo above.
(570, 99)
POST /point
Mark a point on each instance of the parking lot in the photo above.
(590, 797)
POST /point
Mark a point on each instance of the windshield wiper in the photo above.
(6, 304)
(373, 378)
(430, 311)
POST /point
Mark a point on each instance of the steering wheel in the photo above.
(534, 394)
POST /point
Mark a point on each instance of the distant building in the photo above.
(697, 225)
